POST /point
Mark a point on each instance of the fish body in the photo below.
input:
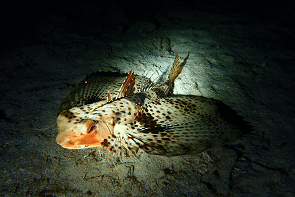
(144, 115)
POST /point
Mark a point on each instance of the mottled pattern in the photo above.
(122, 114)
(185, 125)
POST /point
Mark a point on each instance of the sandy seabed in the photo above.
(245, 60)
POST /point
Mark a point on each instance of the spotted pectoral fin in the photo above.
(181, 125)
(95, 87)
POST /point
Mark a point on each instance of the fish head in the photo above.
(75, 133)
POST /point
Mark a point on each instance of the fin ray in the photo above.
(176, 68)
(127, 88)
(93, 88)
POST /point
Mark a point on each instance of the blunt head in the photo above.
(77, 134)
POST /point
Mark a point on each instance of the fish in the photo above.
(123, 113)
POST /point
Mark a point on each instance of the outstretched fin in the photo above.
(165, 88)
(176, 68)
(93, 88)
(182, 124)
(127, 87)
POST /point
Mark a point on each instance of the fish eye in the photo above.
(91, 128)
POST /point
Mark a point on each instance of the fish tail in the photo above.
(176, 68)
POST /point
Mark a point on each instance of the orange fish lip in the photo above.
(78, 141)
(74, 146)
(68, 144)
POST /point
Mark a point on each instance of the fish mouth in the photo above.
(68, 144)
(74, 147)
(81, 141)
